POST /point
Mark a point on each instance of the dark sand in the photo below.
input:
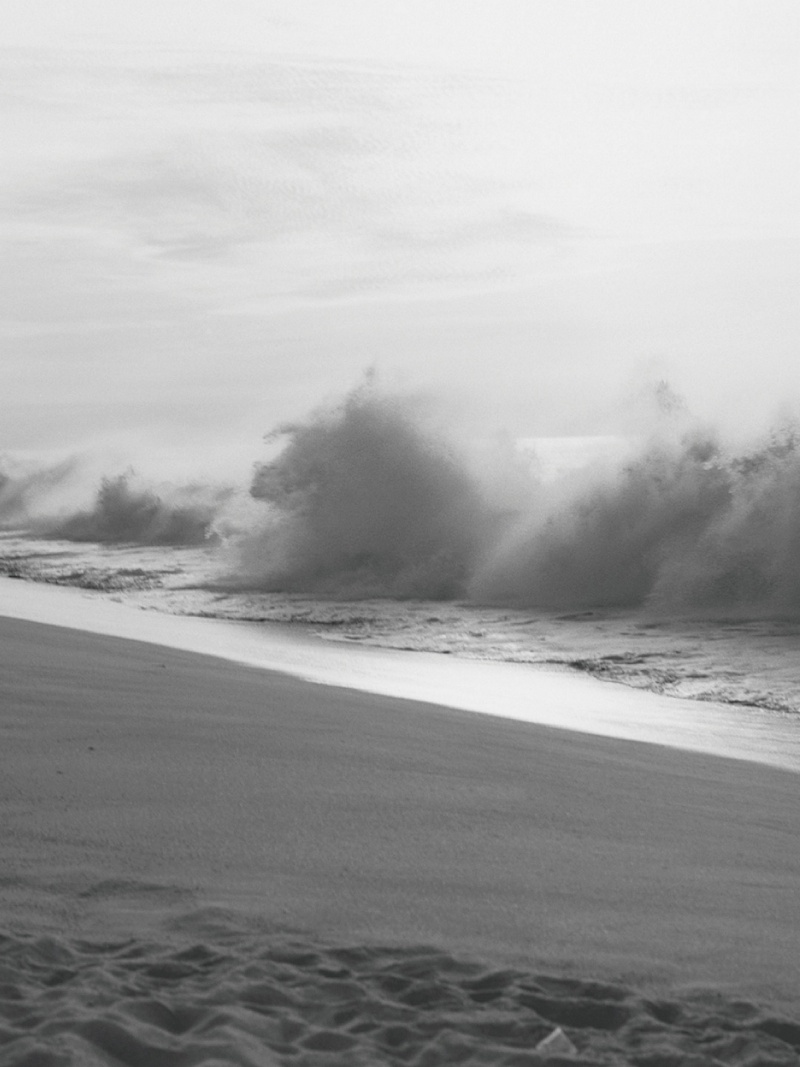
(140, 785)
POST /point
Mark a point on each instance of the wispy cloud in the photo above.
(213, 180)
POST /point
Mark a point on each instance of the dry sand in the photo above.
(209, 863)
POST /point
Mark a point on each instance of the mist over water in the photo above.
(371, 497)
(125, 512)
(56, 501)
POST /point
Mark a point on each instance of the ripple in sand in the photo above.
(236, 997)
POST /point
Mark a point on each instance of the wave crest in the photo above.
(363, 502)
(686, 526)
(126, 512)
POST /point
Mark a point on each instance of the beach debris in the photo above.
(556, 1044)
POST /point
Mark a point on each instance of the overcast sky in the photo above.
(216, 213)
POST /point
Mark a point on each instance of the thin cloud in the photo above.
(250, 183)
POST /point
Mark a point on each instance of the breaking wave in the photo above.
(124, 512)
(362, 501)
(687, 526)
(608, 543)
(364, 498)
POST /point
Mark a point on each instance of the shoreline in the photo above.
(524, 692)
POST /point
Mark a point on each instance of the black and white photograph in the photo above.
(399, 533)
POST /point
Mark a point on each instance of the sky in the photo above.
(216, 215)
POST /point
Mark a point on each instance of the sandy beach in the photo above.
(225, 824)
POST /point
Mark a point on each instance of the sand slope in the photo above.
(139, 784)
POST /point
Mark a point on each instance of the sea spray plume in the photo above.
(127, 512)
(363, 502)
(748, 558)
(607, 546)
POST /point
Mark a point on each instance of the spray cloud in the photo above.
(362, 501)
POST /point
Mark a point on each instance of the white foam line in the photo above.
(508, 690)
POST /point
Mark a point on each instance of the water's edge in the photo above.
(523, 692)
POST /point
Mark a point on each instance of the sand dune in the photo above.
(646, 900)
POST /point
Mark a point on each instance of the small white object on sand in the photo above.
(556, 1044)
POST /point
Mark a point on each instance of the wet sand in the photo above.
(142, 786)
